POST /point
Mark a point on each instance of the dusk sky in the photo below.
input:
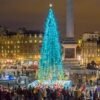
(32, 14)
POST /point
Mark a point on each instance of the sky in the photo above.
(32, 14)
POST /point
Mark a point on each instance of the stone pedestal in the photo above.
(69, 53)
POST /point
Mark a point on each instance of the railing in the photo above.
(82, 71)
(15, 70)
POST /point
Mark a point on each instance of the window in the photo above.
(2, 47)
(30, 41)
(8, 47)
(30, 35)
(92, 55)
(18, 46)
(35, 41)
(12, 51)
(40, 41)
(11, 42)
(35, 35)
(18, 41)
(8, 42)
(40, 35)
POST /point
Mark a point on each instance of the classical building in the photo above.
(90, 47)
(91, 35)
(21, 45)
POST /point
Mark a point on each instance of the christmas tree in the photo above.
(50, 64)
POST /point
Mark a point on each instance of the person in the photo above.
(53, 94)
(95, 96)
(44, 94)
(64, 93)
(8, 84)
(19, 92)
(40, 94)
(48, 93)
(36, 94)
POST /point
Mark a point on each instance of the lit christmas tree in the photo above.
(50, 64)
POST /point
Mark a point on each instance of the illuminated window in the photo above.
(18, 46)
(8, 42)
(35, 35)
(30, 41)
(8, 51)
(80, 42)
(30, 36)
(11, 51)
(38, 56)
(8, 47)
(40, 41)
(2, 47)
(35, 41)
(30, 56)
(93, 55)
(35, 56)
(11, 42)
(40, 35)
(18, 41)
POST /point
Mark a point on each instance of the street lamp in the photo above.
(79, 58)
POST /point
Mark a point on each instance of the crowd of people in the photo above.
(46, 93)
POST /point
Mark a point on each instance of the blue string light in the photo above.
(50, 64)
